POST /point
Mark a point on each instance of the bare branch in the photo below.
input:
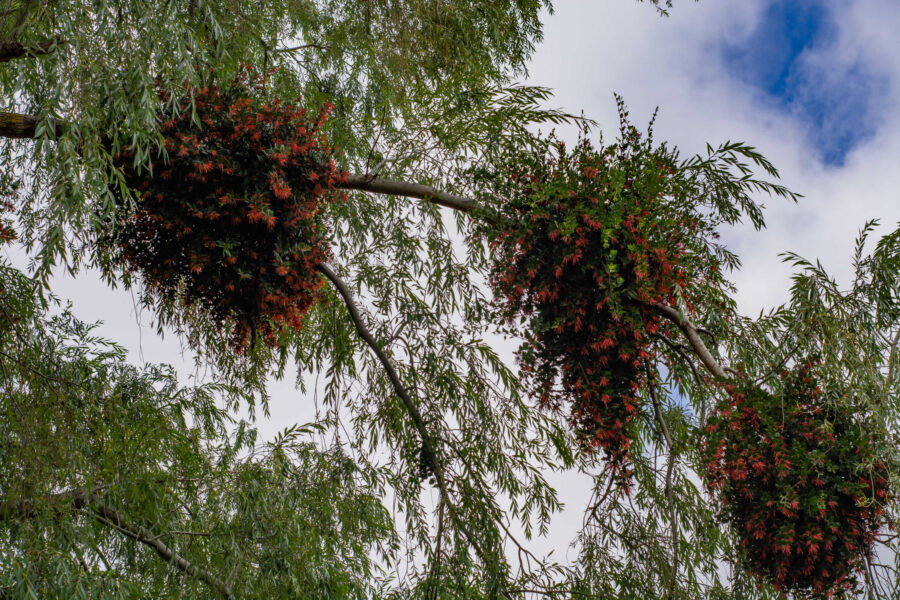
(16, 126)
(300, 47)
(370, 183)
(693, 337)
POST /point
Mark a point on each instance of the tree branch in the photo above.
(13, 125)
(693, 337)
(10, 50)
(673, 514)
(370, 183)
(103, 513)
(429, 450)
(16, 126)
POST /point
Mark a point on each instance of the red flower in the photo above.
(216, 224)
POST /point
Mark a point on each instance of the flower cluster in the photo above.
(7, 233)
(799, 481)
(230, 217)
(583, 245)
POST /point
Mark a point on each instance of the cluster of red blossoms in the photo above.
(230, 217)
(800, 483)
(581, 247)
(7, 233)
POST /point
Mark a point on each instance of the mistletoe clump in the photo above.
(7, 233)
(584, 245)
(229, 219)
(800, 483)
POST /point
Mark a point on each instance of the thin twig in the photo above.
(677, 348)
(673, 515)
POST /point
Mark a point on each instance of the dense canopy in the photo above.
(384, 207)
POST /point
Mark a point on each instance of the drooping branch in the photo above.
(10, 50)
(428, 447)
(673, 513)
(93, 505)
(368, 183)
(693, 337)
(117, 521)
(385, 361)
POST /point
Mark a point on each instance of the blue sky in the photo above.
(834, 100)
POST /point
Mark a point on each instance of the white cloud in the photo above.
(593, 49)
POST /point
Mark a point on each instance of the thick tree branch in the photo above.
(10, 50)
(93, 505)
(693, 337)
(13, 125)
(16, 126)
(428, 448)
(369, 183)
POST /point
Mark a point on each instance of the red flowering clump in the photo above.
(583, 244)
(799, 481)
(7, 233)
(230, 218)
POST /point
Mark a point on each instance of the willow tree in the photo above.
(447, 220)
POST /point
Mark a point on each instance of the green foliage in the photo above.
(384, 65)
(82, 434)
(423, 91)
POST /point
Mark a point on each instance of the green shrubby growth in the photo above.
(101, 461)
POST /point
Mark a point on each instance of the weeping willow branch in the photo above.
(369, 183)
(103, 513)
(114, 519)
(693, 337)
(429, 451)
(19, 126)
(10, 50)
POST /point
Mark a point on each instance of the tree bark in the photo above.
(368, 183)
(16, 126)
(12, 50)
(693, 337)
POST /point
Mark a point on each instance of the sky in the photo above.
(813, 84)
